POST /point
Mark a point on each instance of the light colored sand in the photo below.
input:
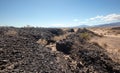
(109, 41)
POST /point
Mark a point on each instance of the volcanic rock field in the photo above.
(53, 50)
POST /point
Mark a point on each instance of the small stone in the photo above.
(11, 66)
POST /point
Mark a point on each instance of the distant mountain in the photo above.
(82, 26)
(117, 24)
(109, 25)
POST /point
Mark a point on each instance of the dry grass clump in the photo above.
(57, 38)
(42, 41)
(85, 36)
(11, 33)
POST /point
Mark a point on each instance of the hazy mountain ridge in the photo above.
(109, 25)
(116, 24)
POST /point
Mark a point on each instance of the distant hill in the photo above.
(82, 26)
(109, 25)
(117, 24)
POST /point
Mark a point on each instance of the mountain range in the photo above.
(116, 24)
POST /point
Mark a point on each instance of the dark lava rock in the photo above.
(98, 59)
(56, 31)
(89, 57)
(70, 30)
(84, 30)
(64, 46)
(20, 53)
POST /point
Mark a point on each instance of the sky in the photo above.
(58, 13)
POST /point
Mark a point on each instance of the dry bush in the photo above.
(57, 38)
(85, 36)
(11, 33)
(105, 45)
(42, 41)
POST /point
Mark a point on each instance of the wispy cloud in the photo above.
(109, 18)
(100, 19)
(95, 18)
(112, 17)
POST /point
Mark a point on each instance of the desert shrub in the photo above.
(105, 45)
(85, 36)
(42, 41)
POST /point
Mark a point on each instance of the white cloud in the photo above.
(97, 17)
(107, 18)
(112, 17)
(100, 19)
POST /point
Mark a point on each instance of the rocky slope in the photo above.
(28, 50)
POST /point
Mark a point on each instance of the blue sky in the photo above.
(58, 13)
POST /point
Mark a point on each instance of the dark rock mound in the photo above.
(21, 54)
(115, 28)
(56, 31)
(88, 57)
(35, 33)
(84, 30)
(96, 57)
(64, 46)
(70, 30)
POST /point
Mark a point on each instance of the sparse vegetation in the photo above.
(11, 33)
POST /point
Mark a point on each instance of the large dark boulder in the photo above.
(56, 31)
(70, 30)
(84, 30)
(64, 46)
